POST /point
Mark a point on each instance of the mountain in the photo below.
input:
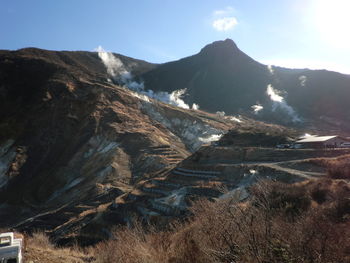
(219, 78)
(222, 78)
(71, 142)
(83, 149)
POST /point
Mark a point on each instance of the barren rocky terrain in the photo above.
(85, 148)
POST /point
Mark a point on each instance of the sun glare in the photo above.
(332, 20)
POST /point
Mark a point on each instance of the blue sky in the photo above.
(292, 33)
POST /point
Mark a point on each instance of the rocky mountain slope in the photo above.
(239, 81)
(222, 78)
(72, 141)
(84, 145)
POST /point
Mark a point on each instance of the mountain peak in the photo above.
(226, 46)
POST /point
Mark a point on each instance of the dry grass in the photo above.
(135, 245)
(40, 239)
(40, 249)
(307, 222)
(339, 168)
(279, 224)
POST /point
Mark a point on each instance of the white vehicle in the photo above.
(10, 248)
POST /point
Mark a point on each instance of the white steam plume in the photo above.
(116, 69)
(235, 119)
(195, 106)
(273, 94)
(271, 70)
(221, 113)
(257, 108)
(279, 102)
(173, 98)
(302, 80)
(212, 138)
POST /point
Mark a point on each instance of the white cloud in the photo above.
(224, 12)
(224, 19)
(225, 23)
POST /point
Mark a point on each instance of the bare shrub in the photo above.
(278, 197)
(40, 239)
(320, 191)
(339, 168)
(276, 225)
(317, 239)
(137, 244)
(126, 248)
(185, 248)
(215, 234)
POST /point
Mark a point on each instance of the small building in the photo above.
(313, 141)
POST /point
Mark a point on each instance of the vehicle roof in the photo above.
(317, 139)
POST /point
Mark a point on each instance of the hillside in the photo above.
(239, 80)
(85, 147)
(72, 142)
(222, 78)
(313, 213)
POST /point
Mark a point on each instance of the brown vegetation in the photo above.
(40, 249)
(339, 168)
(306, 222)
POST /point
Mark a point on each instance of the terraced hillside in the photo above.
(218, 171)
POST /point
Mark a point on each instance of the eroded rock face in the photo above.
(194, 132)
(79, 154)
(72, 142)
